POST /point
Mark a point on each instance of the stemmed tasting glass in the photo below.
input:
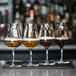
(62, 37)
(30, 40)
(13, 39)
(46, 36)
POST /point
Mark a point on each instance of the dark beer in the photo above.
(46, 42)
(61, 41)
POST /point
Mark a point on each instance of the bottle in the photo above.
(69, 27)
(17, 12)
(44, 9)
(2, 32)
(57, 13)
(36, 7)
(74, 28)
(45, 12)
(66, 13)
(67, 18)
(27, 10)
(3, 24)
(38, 23)
(18, 19)
(74, 19)
(61, 8)
(31, 16)
(1, 17)
(5, 19)
(56, 6)
(1, 27)
(52, 16)
(57, 18)
(19, 16)
(22, 10)
(17, 2)
(27, 7)
(74, 7)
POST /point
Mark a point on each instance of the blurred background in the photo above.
(51, 11)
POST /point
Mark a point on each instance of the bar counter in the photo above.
(38, 72)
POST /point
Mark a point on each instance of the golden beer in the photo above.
(30, 43)
(13, 43)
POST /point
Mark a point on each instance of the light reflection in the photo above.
(47, 73)
(31, 73)
(13, 73)
(62, 73)
(37, 73)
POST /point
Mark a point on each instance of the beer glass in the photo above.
(13, 39)
(47, 37)
(30, 40)
(62, 37)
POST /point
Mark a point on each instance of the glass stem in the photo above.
(30, 57)
(13, 57)
(61, 60)
(46, 55)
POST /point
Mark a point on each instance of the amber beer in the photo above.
(61, 41)
(46, 41)
(13, 43)
(30, 42)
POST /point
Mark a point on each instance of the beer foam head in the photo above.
(12, 39)
(46, 38)
(30, 39)
(62, 38)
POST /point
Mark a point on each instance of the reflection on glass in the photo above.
(13, 40)
(30, 40)
(46, 39)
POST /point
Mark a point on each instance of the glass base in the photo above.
(47, 63)
(31, 64)
(53, 63)
(62, 62)
(24, 64)
(44, 64)
(12, 65)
